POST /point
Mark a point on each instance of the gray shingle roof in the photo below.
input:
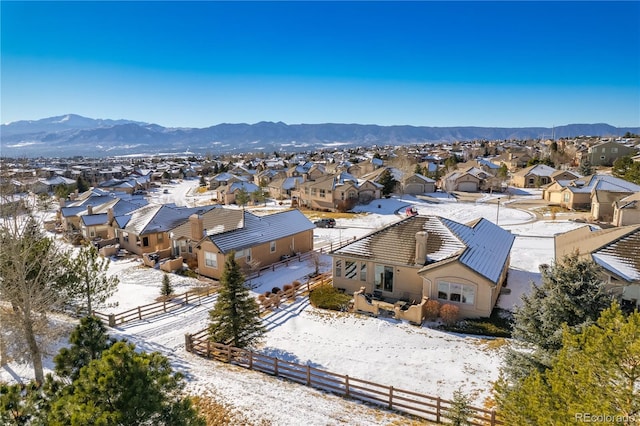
(262, 229)
(482, 246)
(160, 218)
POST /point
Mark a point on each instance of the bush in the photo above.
(449, 314)
(498, 324)
(328, 297)
(432, 310)
(275, 290)
(296, 284)
(287, 287)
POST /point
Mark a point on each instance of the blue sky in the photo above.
(503, 64)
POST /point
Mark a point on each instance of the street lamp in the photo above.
(498, 211)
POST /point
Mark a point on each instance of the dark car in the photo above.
(325, 223)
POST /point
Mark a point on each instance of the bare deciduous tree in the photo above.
(33, 273)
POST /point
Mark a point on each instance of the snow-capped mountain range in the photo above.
(72, 134)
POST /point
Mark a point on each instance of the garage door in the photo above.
(414, 188)
(467, 187)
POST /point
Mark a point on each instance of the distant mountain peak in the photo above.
(72, 134)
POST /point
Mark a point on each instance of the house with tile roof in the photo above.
(605, 153)
(471, 179)
(427, 256)
(259, 242)
(615, 250)
(336, 192)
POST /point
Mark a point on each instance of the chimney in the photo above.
(110, 216)
(62, 201)
(195, 222)
(89, 209)
(421, 247)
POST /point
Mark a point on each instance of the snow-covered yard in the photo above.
(382, 350)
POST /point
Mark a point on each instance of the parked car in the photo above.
(325, 223)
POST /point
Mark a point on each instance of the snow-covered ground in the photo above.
(382, 350)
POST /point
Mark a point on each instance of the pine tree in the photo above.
(88, 340)
(573, 294)
(125, 387)
(595, 373)
(235, 318)
(167, 288)
(242, 197)
(460, 410)
(585, 168)
(387, 181)
(92, 285)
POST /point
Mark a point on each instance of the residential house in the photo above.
(418, 184)
(260, 242)
(336, 192)
(615, 250)
(427, 256)
(604, 154)
(146, 230)
(281, 188)
(471, 179)
(227, 194)
(595, 193)
(513, 160)
(534, 176)
(626, 211)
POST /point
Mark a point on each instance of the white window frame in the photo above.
(272, 247)
(464, 294)
(211, 260)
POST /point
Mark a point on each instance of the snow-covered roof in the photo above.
(159, 218)
(262, 229)
(94, 219)
(483, 246)
(488, 246)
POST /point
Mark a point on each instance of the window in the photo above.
(384, 278)
(457, 292)
(363, 271)
(565, 198)
(211, 260)
(350, 269)
(125, 236)
(92, 233)
(322, 193)
(244, 253)
(160, 237)
(614, 150)
(272, 246)
(338, 268)
(145, 241)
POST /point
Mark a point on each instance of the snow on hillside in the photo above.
(382, 350)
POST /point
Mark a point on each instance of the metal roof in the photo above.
(94, 219)
(482, 246)
(262, 229)
(488, 246)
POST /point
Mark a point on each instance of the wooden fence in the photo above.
(144, 311)
(425, 406)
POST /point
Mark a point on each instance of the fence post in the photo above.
(208, 348)
(438, 410)
(390, 397)
(186, 298)
(164, 306)
(308, 375)
(275, 366)
(188, 343)
(250, 360)
(229, 354)
(112, 320)
(493, 417)
(346, 385)
(139, 313)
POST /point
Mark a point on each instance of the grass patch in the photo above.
(497, 325)
(327, 297)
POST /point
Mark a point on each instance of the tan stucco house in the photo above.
(427, 256)
(626, 211)
(259, 242)
(615, 250)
